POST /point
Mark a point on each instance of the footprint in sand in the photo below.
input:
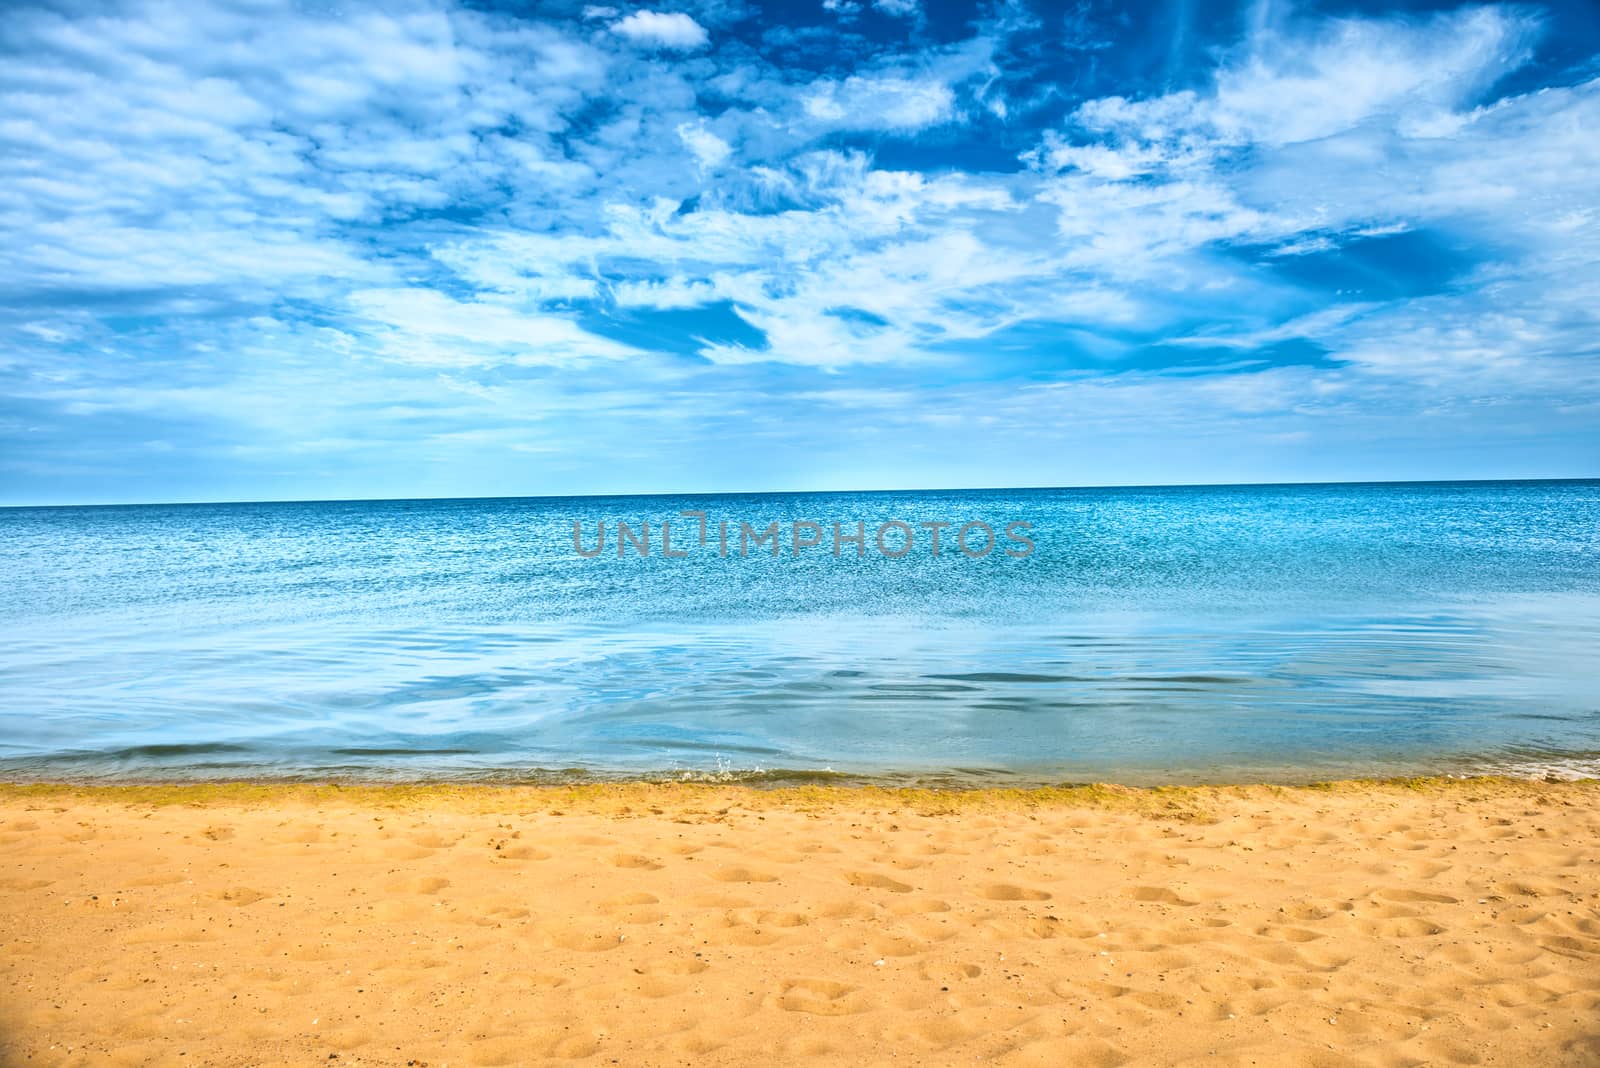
(584, 941)
(522, 852)
(428, 885)
(943, 1033)
(944, 973)
(1288, 934)
(879, 946)
(736, 933)
(674, 966)
(877, 882)
(25, 884)
(770, 917)
(847, 910)
(157, 880)
(1161, 894)
(742, 875)
(1418, 895)
(239, 895)
(660, 986)
(1412, 927)
(622, 901)
(531, 980)
(635, 860)
(297, 835)
(820, 997)
(498, 917)
(1568, 944)
(695, 1045)
(1010, 892)
(920, 905)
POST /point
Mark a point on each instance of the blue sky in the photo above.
(257, 250)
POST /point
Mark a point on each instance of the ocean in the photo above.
(1138, 635)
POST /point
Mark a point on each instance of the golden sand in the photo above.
(1387, 924)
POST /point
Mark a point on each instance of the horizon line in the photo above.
(803, 493)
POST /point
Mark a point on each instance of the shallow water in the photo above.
(1153, 635)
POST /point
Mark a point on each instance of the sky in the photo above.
(258, 250)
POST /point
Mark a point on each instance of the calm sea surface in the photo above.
(1153, 635)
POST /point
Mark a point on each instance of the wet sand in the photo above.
(1428, 922)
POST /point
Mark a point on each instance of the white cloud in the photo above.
(427, 327)
(242, 148)
(1305, 246)
(677, 292)
(672, 30)
(887, 264)
(1323, 79)
(881, 102)
(709, 150)
(1348, 72)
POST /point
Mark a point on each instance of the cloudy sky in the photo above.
(261, 250)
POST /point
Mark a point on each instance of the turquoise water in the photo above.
(1152, 635)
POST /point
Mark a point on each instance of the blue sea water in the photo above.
(1152, 635)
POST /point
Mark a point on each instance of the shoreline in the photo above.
(1357, 922)
(1575, 768)
(776, 793)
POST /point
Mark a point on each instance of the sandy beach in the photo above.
(1430, 922)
